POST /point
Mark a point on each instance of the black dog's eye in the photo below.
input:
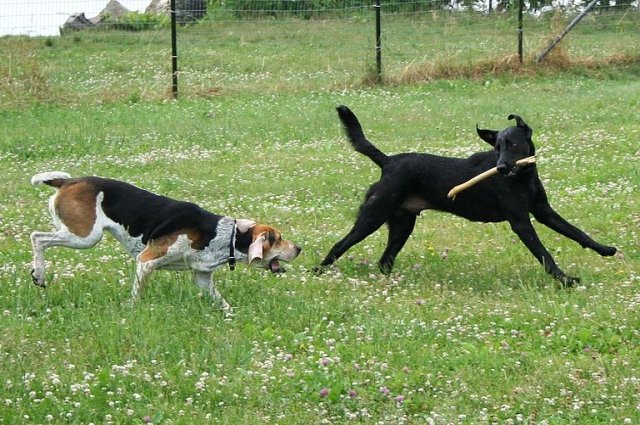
(511, 145)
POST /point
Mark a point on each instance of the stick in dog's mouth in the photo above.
(466, 185)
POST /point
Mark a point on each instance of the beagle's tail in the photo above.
(50, 178)
(357, 138)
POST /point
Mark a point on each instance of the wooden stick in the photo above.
(466, 185)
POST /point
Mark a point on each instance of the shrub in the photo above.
(136, 21)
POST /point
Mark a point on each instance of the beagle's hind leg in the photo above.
(43, 240)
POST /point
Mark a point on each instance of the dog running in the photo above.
(413, 182)
(159, 232)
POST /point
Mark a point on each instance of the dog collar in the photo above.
(232, 243)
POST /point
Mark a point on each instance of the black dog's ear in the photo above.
(520, 122)
(489, 136)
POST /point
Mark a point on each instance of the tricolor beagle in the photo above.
(160, 233)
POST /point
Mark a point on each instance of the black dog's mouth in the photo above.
(508, 170)
(505, 171)
(515, 170)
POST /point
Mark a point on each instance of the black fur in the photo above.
(412, 182)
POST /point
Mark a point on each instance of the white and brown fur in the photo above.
(159, 232)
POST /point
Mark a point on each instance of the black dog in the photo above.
(412, 182)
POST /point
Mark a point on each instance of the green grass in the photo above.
(468, 329)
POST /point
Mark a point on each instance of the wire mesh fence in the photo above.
(272, 45)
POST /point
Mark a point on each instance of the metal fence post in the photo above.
(573, 23)
(378, 42)
(174, 52)
(520, 31)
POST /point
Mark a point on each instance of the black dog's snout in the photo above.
(503, 169)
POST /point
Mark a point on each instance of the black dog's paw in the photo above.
(385, 268)
(607, 251)
(569, 281)
(318, 270)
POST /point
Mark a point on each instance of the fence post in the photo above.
(378, 43)
(174, 52)
(573, 23)
(520, 31)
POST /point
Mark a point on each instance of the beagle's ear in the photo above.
(489, 136)
(256, 249)
(243, 225)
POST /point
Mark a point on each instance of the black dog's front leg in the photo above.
(524, 229)
(547, 216)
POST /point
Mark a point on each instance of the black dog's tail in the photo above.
(357, 138)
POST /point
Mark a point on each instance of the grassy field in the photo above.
(468, 329)
(293, 56)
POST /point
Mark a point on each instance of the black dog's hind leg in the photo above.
(381, 202)
(545, 214)
(363, 227)
(401, 226)
(524, 229)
